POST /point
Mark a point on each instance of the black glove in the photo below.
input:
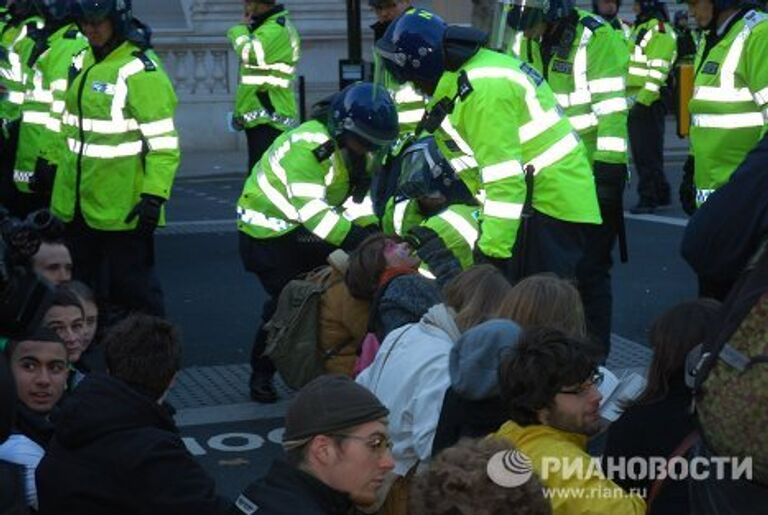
(610, 179)
(687, 190)
(503, 264)
(432, 251)
(42, 179)
(148, 211)
(356, 235)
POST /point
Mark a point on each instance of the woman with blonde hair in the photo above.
(545, 300)
(475, 293)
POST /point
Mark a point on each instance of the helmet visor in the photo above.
(418, 171)
(393, 63)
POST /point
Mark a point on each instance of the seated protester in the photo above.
(343, 318)
(472, 405)
(545, 300)
(39, 368)
(384, 271)
(53, 261)
(336, 453)
(115, 449)
(13, 493)
(66, 317)
(658, 421)
(469, 479)
(474, 293)
(410, 372)
(7, 399)
(92, 359)
(549, 386)
(433, 209)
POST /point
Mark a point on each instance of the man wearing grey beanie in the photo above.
(337, 454)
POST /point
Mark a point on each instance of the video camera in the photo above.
(22, 293)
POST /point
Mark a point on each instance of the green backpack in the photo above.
(293, 331)
(732, 376)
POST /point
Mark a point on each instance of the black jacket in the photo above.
(34, 426)
(464, 418)
(728, 228)
(655, 429)
(286, 490)
(115, 451)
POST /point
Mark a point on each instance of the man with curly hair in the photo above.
(458, 482)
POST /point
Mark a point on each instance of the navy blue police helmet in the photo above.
(20, 8)
(365, 111)
(57, 10)
(597, 11)
(722, 5)
(94, 11)
(651, 6)
(559, 9)
(412, 47)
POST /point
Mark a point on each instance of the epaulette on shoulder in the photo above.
(280, 21)
(754, 18)
(662, 26)
(324, 151)
(71, 34)
(149, 65)
(591, 23)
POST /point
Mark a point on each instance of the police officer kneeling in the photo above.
(289, 214)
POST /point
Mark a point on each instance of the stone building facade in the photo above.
(190, 37)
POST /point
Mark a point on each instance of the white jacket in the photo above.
(20, 450)
(410, 376)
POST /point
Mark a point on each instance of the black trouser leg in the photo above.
(9, 140)
(26, 203)
(133, 282)
(552, 245)
(646, 135)
(594, 279)
(275, 262)
(259, 138)
(88, 262)
(120, 267)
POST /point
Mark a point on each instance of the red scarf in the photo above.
(390, 273)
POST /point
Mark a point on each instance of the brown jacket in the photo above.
(343, 322)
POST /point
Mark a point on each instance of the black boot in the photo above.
(262, 389)
(662, 195)
(644, 207)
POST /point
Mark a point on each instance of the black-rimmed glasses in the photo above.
(596, 379)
